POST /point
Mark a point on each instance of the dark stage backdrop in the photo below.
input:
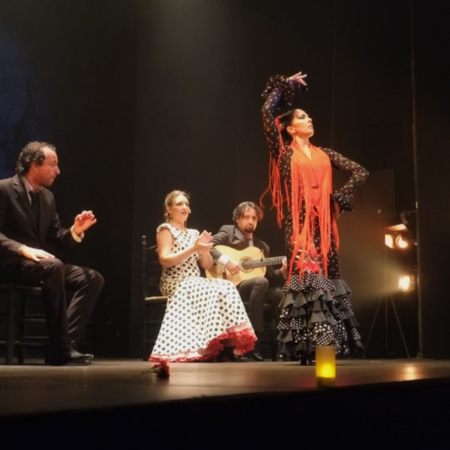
(142, 97)
(202, 68)
(433, 144)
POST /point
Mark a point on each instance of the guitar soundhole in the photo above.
(246, 264)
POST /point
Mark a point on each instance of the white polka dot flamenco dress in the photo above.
(201, 312)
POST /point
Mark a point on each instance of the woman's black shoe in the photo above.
(255, 356)
(228, 355)
(307, 360)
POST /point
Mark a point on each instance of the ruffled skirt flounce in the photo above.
(317, 311)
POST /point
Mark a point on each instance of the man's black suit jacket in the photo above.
(233, 237)
(17, 225)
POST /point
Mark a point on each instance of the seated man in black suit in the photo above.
(254, 290)
(31, 235)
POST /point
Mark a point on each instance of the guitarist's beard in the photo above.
(248, 230)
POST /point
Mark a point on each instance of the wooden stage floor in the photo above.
(114, 397)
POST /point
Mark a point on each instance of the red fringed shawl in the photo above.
(312, 186)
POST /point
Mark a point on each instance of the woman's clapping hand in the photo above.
(203, 242)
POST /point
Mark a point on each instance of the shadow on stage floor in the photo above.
(373, 403)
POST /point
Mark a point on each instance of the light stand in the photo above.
(386, 299)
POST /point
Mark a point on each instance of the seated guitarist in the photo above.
(258, 290)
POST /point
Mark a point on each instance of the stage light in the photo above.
(325, 365)
(402, 243)
(398, 237)
(389, 240)
(407, 282)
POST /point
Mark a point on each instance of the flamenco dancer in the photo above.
(316, 307)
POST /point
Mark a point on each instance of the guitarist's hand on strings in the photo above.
(232, 267)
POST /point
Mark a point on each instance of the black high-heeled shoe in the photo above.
(307, 359)
(303, 359)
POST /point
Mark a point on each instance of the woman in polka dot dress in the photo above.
(204, 317)
(316, 308)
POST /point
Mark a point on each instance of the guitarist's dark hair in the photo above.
(240, 210)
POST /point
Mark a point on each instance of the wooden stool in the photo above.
(17, 321)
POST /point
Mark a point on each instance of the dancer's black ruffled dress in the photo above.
(316, 308)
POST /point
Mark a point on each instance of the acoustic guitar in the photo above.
(250, 259)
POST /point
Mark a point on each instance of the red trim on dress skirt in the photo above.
(242, 338)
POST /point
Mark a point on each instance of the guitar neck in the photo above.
(266, 262)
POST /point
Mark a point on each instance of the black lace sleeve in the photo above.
(278, 92)
(281, 83)
(358, 174)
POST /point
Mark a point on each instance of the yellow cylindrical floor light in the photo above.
(325, 365)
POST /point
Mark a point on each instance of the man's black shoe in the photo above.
(255, 356)
(72, 357)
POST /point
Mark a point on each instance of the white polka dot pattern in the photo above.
(201, 312)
